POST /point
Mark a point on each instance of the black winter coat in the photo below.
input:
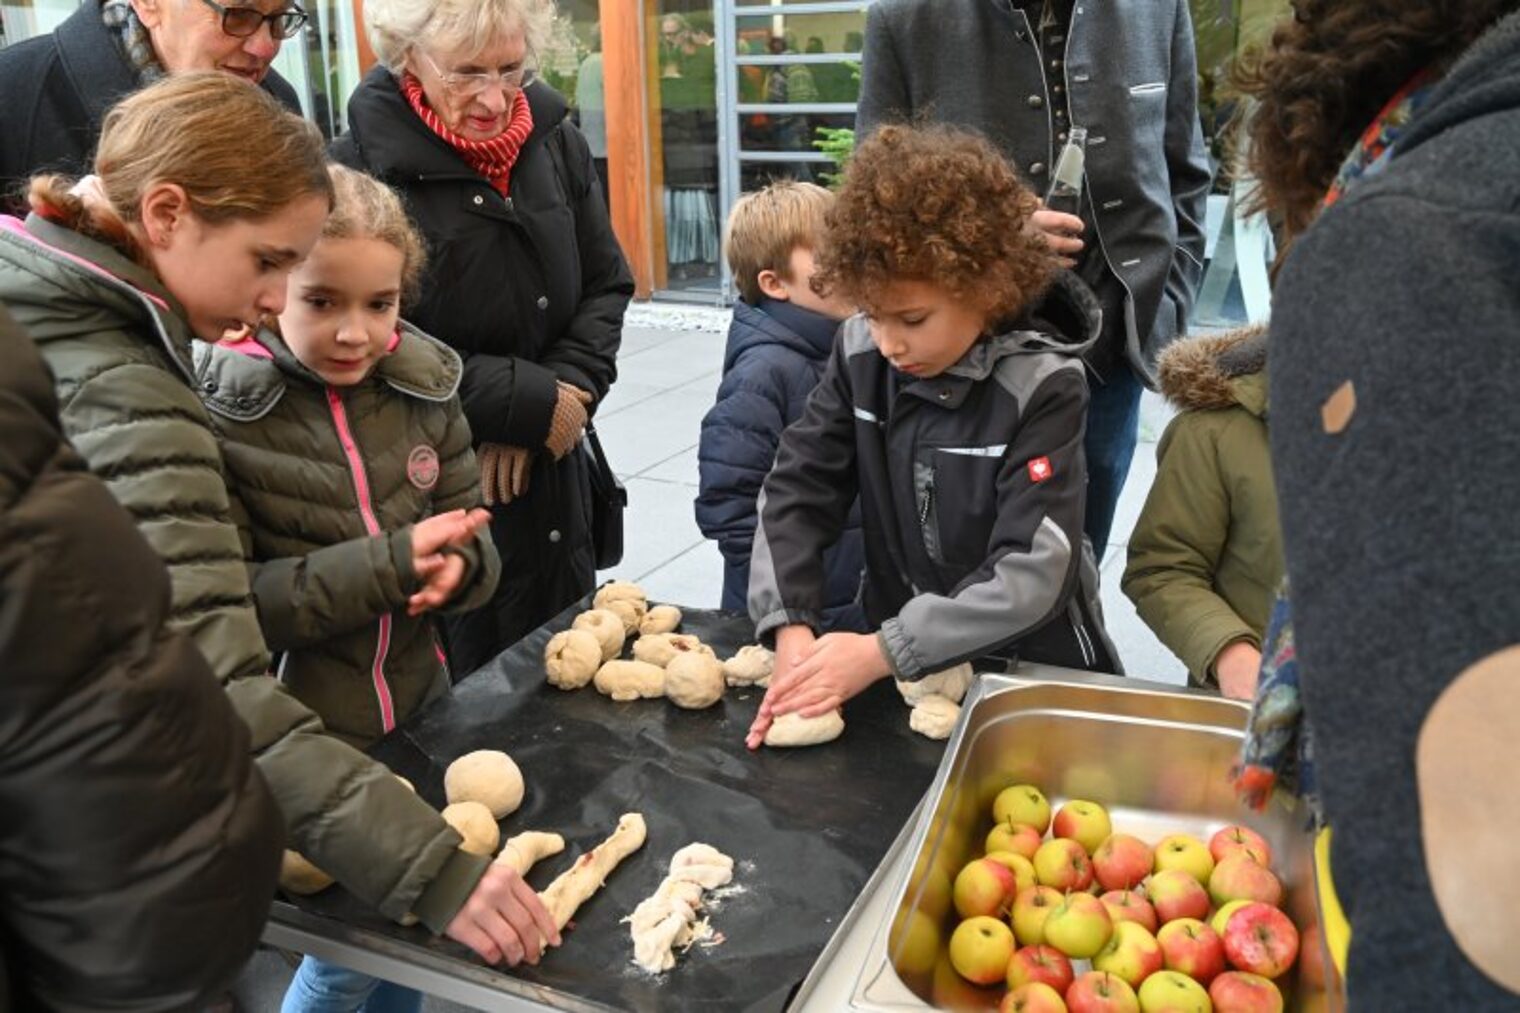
(57, 89)
(531, 290)
(139, 845)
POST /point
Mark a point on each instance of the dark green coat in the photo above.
(1206, 556)
(119, 349)
(331, 480)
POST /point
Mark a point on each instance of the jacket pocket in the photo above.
(956, 490)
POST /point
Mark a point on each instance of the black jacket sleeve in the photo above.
(883, 85)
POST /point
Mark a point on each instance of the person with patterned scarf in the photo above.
(525, 277)
(58, 86)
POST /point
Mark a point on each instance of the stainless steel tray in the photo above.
(1158, 757)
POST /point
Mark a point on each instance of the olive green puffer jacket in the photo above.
(332, 480)
(119, 349)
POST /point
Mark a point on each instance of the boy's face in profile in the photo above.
(796, 287)
(921, 329)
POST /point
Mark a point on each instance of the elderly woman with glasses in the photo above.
(525, 278)
(57, 87)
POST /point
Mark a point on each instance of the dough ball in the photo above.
(952, 684)
(476, 825)
(409, 786)
(606, 626)
(571, 658)
(660, 619)
(299, 876)
(795, 730)
(629, 613)
(487, 776)
(630, 680)
(751, 666)
(934, 716)
(659, 648)
(694, 680)
(628, 600)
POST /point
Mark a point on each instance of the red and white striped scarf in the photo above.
(493, 159)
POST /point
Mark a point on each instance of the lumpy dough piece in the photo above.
(795, 730)
(476, 825)
(694, 680)
(299, 876)
(606, 626)
(702, 864)
(952, 684)
(629, 613)
(487, 776)
(667, 919)
(751, 666)
(571, 658)
(527, 849)
(934, 716)
(659, 648)
(626, 599)
(630, 680)
(660, 619)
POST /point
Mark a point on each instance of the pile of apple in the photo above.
(1185, 926)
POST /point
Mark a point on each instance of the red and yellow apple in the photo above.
(984, 887)
(1217, 922)
(1022, 803)
(1235, 839)
(949, 991)
(1021, 867)
(1192, 948)
(1122, 861)
(1242, 877)
(1185, 852)
(1260, 939)
(1171, 992)
(1030, 909)
(980, 949)
(1063, 863)
(1176, 894)
(1019, 838)
(1044, 964)
(1033, 998)
(1130, 906)
(1240, 992)
(1131, 953)
(913, 942)
(1085, 822)
(1096, 992)
(1078, 926)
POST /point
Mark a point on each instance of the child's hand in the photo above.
(1060, 231)
(834, 669)
(503, 919)
(441, 572)
(1237, 668)
(793, 643)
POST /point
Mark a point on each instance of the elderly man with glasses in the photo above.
(58, 87)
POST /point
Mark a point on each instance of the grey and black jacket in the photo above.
(972, 486)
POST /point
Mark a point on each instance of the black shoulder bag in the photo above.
(608, 500)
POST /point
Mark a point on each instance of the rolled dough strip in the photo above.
(576, 885)
(524, 850)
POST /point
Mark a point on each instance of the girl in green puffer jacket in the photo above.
(345, 441)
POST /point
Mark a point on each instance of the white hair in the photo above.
(396, 27)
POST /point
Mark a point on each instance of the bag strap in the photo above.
(603, 469)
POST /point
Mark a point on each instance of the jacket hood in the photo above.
(754, 328)
(245, 381)
(1067, 319)
(397, 144)
(1485, 80)
(80, 286)
(1217, 371)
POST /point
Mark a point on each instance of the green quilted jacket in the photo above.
(332, 480)
(120, 352)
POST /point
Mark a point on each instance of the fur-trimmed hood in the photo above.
(1217, 371)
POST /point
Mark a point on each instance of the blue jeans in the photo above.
(320, 987)
(1113, 429)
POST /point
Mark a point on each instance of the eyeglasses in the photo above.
(473, 84)
(243, 22)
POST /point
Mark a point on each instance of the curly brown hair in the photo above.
(1326, 73)
(939, 205)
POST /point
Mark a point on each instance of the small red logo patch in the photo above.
(422, 467)
(1039, 469)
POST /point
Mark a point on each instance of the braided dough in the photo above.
(487, 776)
(659, 648)
(630, 680)
(668, 918)
(795, 730)
(525, 850)
(574, 887)
(751, 666)
(606, 626)
(571, 658)
(660, 619)
(694, 680)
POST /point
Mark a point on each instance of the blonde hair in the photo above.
(365, 208)
(395, 27)
(234, 150)
(764, 228)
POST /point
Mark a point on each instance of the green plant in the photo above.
(839, 144)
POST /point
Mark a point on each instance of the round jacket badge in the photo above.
(422, 467)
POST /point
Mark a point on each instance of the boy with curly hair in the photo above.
(953, 406)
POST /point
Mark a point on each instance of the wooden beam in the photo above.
(366, 53)
(628, 143)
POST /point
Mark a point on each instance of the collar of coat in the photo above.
(398, 145)
(1215, 371)
(246, 387)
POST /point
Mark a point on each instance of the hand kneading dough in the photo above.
(571, 658)
(487, 776)
(751, 666)
(630, 680)
(795, 730)
(660, 619)
(627, 600)
(606, 626)
(525, 850)
(694, 680)
(475, 825)
(934, 716)
(952, 684)
(299, 876)
(659, 648)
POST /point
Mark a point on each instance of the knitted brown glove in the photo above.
(503, 472)
(569, 420)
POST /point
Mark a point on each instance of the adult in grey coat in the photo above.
(1023, 72)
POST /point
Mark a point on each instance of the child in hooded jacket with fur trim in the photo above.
(953, 407)
(344, 438)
